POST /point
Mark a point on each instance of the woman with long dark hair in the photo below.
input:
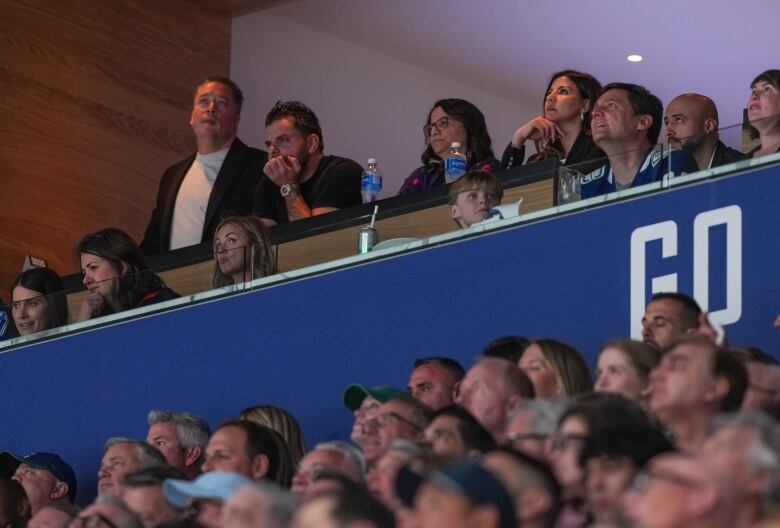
(563, 130)
(38, 301)
(451, 120)
(116, 275)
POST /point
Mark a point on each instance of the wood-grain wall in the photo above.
(95, 103)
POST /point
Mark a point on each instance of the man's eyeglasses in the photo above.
(564, 442)
(440, 124)
(385, 419)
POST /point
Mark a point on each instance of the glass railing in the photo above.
(33, 314)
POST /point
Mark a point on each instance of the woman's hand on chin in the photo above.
(538, 129)
(92, 304)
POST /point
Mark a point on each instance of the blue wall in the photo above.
(299, 344)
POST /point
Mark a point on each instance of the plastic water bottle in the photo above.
(455, 164)
(371, 182)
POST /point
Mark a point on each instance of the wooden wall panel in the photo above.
(96, 103)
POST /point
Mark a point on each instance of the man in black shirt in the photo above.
(692, 124)
(300, 181)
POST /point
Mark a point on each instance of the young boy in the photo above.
(473, 195)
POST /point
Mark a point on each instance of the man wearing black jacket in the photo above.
(219, 180)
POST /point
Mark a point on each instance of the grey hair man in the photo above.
(403, 418)
(262, 504)
(677, 491)
(338, 456)
(530, 425)
(744, 453)
(122, 456)
(492, 389)
(181, 437)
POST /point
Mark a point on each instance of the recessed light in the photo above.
(634, 58)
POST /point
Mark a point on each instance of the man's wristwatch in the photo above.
(287, 188)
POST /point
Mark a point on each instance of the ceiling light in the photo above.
(634, 58)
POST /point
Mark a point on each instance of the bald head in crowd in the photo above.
(692, 124)
(492, 389)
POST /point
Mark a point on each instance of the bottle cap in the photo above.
(372, 161)
(455, 144)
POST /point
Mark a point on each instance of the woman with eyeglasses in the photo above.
(451, 120)
(588, 412)
(562, 131)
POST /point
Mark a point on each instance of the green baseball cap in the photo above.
(355, 393)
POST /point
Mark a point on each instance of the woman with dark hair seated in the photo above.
(116, 275)
(563, 130)
(451, 120)
(764, 112)
(38, 301)
(242, 251)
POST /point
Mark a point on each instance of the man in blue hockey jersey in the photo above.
(6, 332)
(625, 124)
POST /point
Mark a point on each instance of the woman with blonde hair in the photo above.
(555, 368)
(284, 423)
(242, 251)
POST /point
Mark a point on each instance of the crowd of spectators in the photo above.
(671, 431)
(228, 193)
(676, 430)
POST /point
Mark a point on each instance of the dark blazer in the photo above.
(233, 192)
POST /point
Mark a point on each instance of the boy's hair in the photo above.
(474, 180)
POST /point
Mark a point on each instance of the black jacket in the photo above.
(232, 194)
(725, 155)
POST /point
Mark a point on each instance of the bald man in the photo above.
(692, 124)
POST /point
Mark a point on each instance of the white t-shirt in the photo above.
(193, 199)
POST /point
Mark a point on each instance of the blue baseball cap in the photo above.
(469, 479)
(211, 485)
(48, 461)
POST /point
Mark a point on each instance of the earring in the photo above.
(582, 116)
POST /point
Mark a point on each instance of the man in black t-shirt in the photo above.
(300, 181)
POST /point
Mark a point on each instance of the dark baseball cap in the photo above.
(469, 479)
(355, 393)
(48, 461)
